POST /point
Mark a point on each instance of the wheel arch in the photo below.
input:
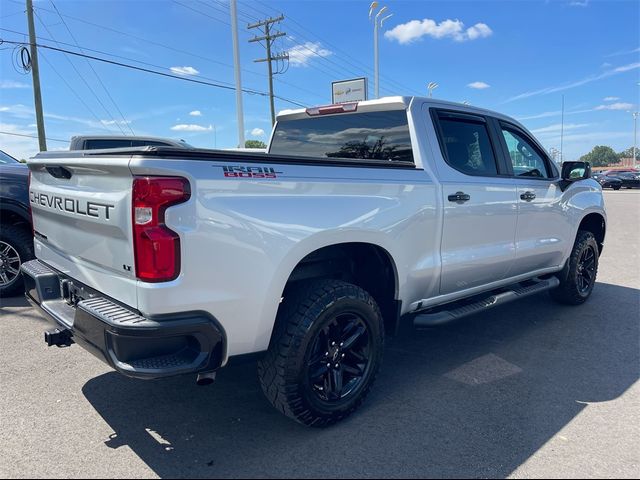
(366, 264)
(12, 214)
(595, 223)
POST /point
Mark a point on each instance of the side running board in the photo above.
(455, 310)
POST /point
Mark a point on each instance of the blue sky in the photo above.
(517, 57)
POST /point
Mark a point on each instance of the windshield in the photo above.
(370, 135)
(4, 159)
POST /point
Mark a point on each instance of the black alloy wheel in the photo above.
(340, 358)
(586, 271)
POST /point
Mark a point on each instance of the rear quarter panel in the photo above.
(242, 238)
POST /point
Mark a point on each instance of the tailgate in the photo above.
(81, 209)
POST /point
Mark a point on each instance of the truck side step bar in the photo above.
(455, 310)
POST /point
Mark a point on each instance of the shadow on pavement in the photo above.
(472, 399)
(9, 302)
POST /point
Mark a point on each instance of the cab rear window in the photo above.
(367, 136)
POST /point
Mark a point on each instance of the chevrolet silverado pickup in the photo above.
(163, 261)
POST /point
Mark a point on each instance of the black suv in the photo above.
(16, 240)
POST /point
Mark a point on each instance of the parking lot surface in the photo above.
(530, 389)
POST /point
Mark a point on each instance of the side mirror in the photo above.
(573, 171)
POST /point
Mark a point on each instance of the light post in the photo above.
(377, 23)
(431, 87)
(635, 138)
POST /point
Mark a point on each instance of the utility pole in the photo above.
(268, 37)
(236, 65)
(35, 75)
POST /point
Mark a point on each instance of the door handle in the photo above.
(528, 196)
(459, 197)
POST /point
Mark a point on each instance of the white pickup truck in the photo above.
(165, 261)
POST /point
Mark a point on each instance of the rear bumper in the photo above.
(134, 345)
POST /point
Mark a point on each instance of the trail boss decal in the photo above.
(250, 172)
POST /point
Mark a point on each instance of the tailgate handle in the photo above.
(59, 172)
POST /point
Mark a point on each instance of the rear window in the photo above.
(367, 136)
(105, 143)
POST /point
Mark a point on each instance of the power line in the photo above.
(82, 77)
(92, 69)
(33, 136)
(64, 80)
(201, 12)
(152, 42)
(163, 74)
(338, 49)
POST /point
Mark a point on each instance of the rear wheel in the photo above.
(617, 187)
(579, 274)
(325, 353)
(16, 247)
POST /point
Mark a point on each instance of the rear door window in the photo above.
(368, 136)
(466, 144)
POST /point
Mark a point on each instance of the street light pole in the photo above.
(236, 70)
(635, 138)
(431, 87)
(377, 23)
(376, 91)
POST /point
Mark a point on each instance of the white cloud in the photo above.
(615, 106)
(196, 113)
(257, 132)
(300, 55)
(115, 122)
(183, 127)
(577, 83)
(626, 68)
(17, 145)
(415, 29)
(12, 84)
(184, 70)
(478, 85)
(623, 52)
(558, 127)
(610, 99)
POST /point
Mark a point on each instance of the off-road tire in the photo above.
(305, 313)
(569, 291)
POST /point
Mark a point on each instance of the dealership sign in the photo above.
(353, 90)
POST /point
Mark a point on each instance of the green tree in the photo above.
(254, 144)
(628, 153)
(601, 156)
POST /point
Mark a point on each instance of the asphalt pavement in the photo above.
(530, 389)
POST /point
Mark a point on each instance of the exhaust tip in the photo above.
(205, 379)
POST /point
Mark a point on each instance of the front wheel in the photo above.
(325, 352)
(579, 274)
(617, 187)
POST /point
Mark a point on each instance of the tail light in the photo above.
(156, 247)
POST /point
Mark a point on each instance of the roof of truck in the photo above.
(398, 102)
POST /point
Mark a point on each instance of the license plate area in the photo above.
(73, 293)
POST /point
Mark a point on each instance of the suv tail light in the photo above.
(156, 247)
